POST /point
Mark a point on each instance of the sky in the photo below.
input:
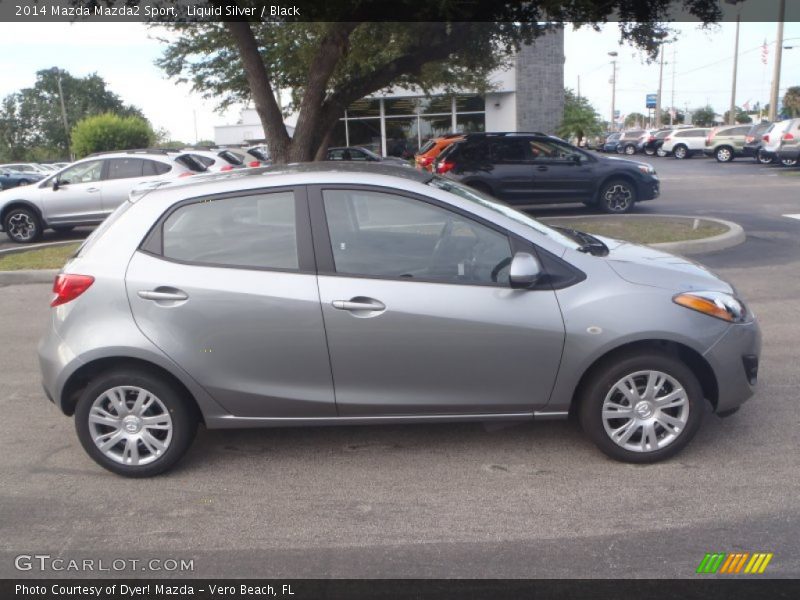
(124, 55)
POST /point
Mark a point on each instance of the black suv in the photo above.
(532, 168)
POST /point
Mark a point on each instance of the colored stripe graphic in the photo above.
(758, 563)
(711, 562)
(732, 563)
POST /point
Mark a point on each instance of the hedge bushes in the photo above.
(107, 132)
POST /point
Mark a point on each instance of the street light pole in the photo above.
(613, 55)
(660, 81)
(776, 72)
(63, 107)
(732, 112)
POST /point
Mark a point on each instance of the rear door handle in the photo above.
(163, 296)
(541, 168)
(92, 190)
(360, 304)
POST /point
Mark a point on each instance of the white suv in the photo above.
(683, 143)
(85, 192)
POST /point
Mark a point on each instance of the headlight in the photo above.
(716, 304)
(646, 169)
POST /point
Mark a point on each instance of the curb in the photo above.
(24, 248)
(733, 237)
(27, 276)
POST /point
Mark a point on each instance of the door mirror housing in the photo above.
(525, 270)
(56, 184)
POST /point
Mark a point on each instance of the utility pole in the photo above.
(776, 72)
(579, 87)
(613, 55)
(732, 111)
(660, 80)
(672, 99)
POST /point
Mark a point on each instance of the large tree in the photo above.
(703, 116)
(791, 101)
(32, 122)
(342, 56)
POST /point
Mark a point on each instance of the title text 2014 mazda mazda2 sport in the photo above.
(321, 294)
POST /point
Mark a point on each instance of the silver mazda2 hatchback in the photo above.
(323, 294)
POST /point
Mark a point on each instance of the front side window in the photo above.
(378, 234)
(85, 172)
(250, 231)
(551, 150)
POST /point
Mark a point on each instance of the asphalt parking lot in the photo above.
(531, 500)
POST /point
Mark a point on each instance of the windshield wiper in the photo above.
(588, 243)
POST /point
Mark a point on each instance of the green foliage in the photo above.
(741, 116)
(703, 116)
(580, 118)
(677, 120)
(31, 121)
(108, 132)
(635, 119)
(791, 101)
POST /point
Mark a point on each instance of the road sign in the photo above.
(651, 100)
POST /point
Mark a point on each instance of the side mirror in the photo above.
(525, 270)
(576, 158)
(56, 184)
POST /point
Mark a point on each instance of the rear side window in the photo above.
(249, 231)
(192, 162)
(152, 167)
(231, 157)
(510, 150)
(427, 146)
(125, 168)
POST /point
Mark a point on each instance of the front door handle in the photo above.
(92, 190)
(176, 296)
(356, 304)
(541, 168)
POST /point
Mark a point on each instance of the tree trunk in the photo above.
(267, 108)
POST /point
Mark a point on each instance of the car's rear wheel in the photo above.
(134, 423)
(23, 225)
(661, 152)
(617, 196)
(649, 151)
(680, 152)
(641, 407)
(789, 162)
(724, 154)
(630, 149)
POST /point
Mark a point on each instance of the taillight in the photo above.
(764, 138)
(748, 139)
(186, 174)
(652, 138)
(444, 167)
(787, 137)
(254, 163)
(67, 287)
(227, 168)
(426, 161)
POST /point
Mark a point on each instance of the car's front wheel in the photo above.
(630, 150)
(617, 196)
(789, 162)
(23, 225)
(649, 150)
(134, 423)
(661, 152)
(641, 407)
(680, 152)
(763, 158)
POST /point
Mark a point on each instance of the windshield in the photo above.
(473, 195)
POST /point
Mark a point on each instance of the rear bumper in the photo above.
(734, 359)
(792, 152)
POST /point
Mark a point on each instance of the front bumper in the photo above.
(735, 360)
(650, 189)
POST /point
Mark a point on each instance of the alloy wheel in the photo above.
(661, 153)
(789, 162)
(618, 197)
(680, 152)
(629, 150)
(724, 155)
(130, 425)
(645, 411)
(22, 227)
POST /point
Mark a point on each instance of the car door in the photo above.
(419, 314)
(560, 172)
(121, 176)
(75, 195)
(226, 287)
(509, 167)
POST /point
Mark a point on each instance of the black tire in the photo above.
(24, 182)
(661, 152)
(617, 196)
(764, 159)
(681, 152)
(724, 154)
(600, 384)
(181, 410)
(61, 229)
(649, 151)
(23, 225)
(629, 149)
(789, 162)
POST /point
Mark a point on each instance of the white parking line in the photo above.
(793, 216)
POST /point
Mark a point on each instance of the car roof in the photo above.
(291, 174)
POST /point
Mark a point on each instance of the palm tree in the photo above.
(580, 118)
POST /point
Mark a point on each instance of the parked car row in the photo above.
(764, 142)
(34, 168)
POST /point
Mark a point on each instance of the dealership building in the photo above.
(526, 96)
